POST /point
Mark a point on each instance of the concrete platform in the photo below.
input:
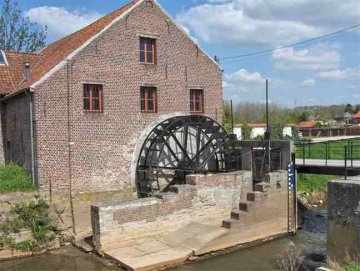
(167, 249)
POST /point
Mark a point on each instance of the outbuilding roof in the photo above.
(357, 115)
(307, 124)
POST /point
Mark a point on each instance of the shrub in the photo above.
(14, 178)
(33, 216)
(290, 258)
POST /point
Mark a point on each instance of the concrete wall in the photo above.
(208, 199)
(95, 150)
(203, 197)
(343, 234)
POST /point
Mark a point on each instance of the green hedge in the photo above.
(14, 178)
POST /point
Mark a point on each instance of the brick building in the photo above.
(73, 113)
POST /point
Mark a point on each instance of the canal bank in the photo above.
(311, 239)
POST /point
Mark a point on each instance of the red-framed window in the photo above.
(147, 50)
(148, 103)
(197, 101)
(93, 98)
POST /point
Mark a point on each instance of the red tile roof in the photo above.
(307, 124)
(51, 55)
(357, 115)
(12, 74)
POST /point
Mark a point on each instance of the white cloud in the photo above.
(242, 82)
(318, 57)
(249, 22)
(252, 83)
(61, 22)
(308, 83)
(230, 25)
(346, 74)
(244, 76)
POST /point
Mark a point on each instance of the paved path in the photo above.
(330, 163)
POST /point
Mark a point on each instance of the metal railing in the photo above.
(331, 152)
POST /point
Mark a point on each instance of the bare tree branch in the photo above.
(18, 33)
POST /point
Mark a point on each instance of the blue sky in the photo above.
(322, 72)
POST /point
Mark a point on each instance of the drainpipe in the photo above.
(31, 104)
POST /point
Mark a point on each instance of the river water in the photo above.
(311, 239)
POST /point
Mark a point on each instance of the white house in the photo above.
(258, 129)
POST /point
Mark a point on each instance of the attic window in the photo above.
(3, 60)
(147, 50)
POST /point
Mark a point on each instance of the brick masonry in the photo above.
(95, 151)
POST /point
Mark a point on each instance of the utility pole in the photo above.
(267, 135)
(232, 117)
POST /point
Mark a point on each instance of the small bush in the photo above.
(37, 217)
(14, 178)
(290, 258)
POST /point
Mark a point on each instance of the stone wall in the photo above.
(204, 197)
(343, 232)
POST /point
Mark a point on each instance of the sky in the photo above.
(322, 72)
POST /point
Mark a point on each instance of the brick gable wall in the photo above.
(102, 144)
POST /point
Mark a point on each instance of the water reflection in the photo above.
(66, 259)
(311, 239)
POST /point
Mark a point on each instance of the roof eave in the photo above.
(16, 93)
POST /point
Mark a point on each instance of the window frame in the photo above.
(145, 51)
(194, 94)
(146, 99)
(91, 98)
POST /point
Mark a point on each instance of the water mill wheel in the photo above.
(180, 146)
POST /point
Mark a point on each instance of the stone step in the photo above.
(228, 223)
(255, 196)
(238, 214)
(180, 189)
(245, 206)
(262, 187)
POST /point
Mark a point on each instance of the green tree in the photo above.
(349, 109)
(276, 131)
(17, 32)
(306, 115)
(246, 131)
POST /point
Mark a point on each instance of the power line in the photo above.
(291, 45)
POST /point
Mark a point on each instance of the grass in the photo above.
(313, 183)
(14, 178)
(331, 150)
(353, 267)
